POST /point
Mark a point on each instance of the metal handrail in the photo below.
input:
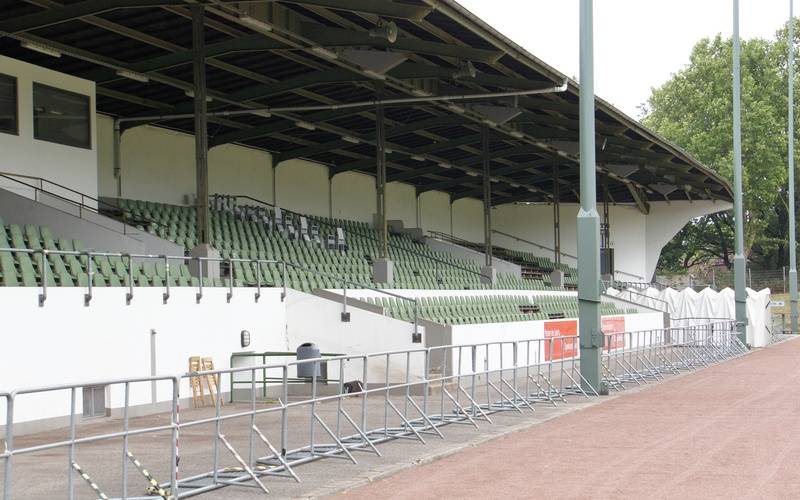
(200, 260)
(80, 204)
(42, 181)
(321, 220)
(474, 245)
(640, 284)
(537, 245)
(40, 188)
(666, 304)
(543, 247)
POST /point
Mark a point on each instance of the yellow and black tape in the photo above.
(155, 488)
(92, 484)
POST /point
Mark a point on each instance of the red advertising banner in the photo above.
(609, 326)
(563, 347)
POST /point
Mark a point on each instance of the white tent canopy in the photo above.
(688, 307)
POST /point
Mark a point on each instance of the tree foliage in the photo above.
(694, 110)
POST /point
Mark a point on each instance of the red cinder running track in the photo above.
(728, 431)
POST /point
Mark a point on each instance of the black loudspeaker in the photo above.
(607, 262)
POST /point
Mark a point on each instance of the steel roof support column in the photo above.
(557, 276)
(210, 268)
(118, 156)
(792, 237)
(418, 206)
(383, 268)
(200, 124)
(591, 338)
(606, 252)
(488, 273)
(330, 193)
(451, 213)
(739, 262)
(274, 185)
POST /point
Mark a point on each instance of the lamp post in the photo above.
(591, 338)
(790, 133)
(739, 263)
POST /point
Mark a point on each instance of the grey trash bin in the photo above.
(308, 350)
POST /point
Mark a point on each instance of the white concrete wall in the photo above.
(302, 186)
(666, 219)
(435, 211)
(151, 155)
(354, 197)
(637, 239)
(401, 203)
(313, 319)
(468, 219)
(476, 257)
(66, 342)
(71, 166)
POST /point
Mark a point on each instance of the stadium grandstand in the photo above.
(221, 182)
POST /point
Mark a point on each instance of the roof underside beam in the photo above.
(377, 7)
(247, 43)
(640, 198)
(256, 132)
(430, 148)
(69, 12)
(336, 37)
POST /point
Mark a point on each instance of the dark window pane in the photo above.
(61, 117)
(8, 104)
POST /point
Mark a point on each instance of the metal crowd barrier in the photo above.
(409, 394)
(649, 355)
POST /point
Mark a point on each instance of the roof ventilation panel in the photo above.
(374, 61)
(622, 170)
(664, 189)
(498, 115)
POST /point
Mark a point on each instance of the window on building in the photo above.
(8, 104)
(61, 117)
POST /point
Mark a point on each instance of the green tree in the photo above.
(694, 110)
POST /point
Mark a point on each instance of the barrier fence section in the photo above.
(363, 401)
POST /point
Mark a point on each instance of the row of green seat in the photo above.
(29, 269)
(459, 310)
(416, 265)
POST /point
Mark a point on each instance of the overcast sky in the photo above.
(638, 43)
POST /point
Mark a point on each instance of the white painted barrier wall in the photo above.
(67, 342)
(313, 319)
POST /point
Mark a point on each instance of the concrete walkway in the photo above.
(728, 431)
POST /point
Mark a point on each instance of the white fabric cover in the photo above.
(699, 307)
